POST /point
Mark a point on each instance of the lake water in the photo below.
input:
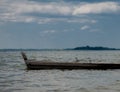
(15, 78)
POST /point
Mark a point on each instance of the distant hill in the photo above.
(94, 48)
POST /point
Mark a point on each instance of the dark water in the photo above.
(15, 78)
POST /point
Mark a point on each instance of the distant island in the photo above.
(93, 48)
(76, 48)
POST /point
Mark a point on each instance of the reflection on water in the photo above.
(14, 77)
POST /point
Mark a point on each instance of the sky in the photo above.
(41, 24)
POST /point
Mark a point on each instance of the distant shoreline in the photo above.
(83, 48)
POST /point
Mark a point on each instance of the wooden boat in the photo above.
(39, 65)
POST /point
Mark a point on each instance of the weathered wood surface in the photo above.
(39, 65)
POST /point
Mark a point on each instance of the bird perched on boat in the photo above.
(76, 59)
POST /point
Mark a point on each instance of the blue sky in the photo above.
(59, 23)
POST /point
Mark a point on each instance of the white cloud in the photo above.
(32, 7)
(64, 8)
(50, 20)
(85, 27)
(24, 10)
(97, 8)
(82, 20)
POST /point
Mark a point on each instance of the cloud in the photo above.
(24, 10)
(33, 7)
(97, 8)
(82, 20)
(64, 8)
(85, 27)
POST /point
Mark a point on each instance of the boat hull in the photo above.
(70, 66)
(40, 65)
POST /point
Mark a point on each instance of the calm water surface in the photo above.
(15, 78)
